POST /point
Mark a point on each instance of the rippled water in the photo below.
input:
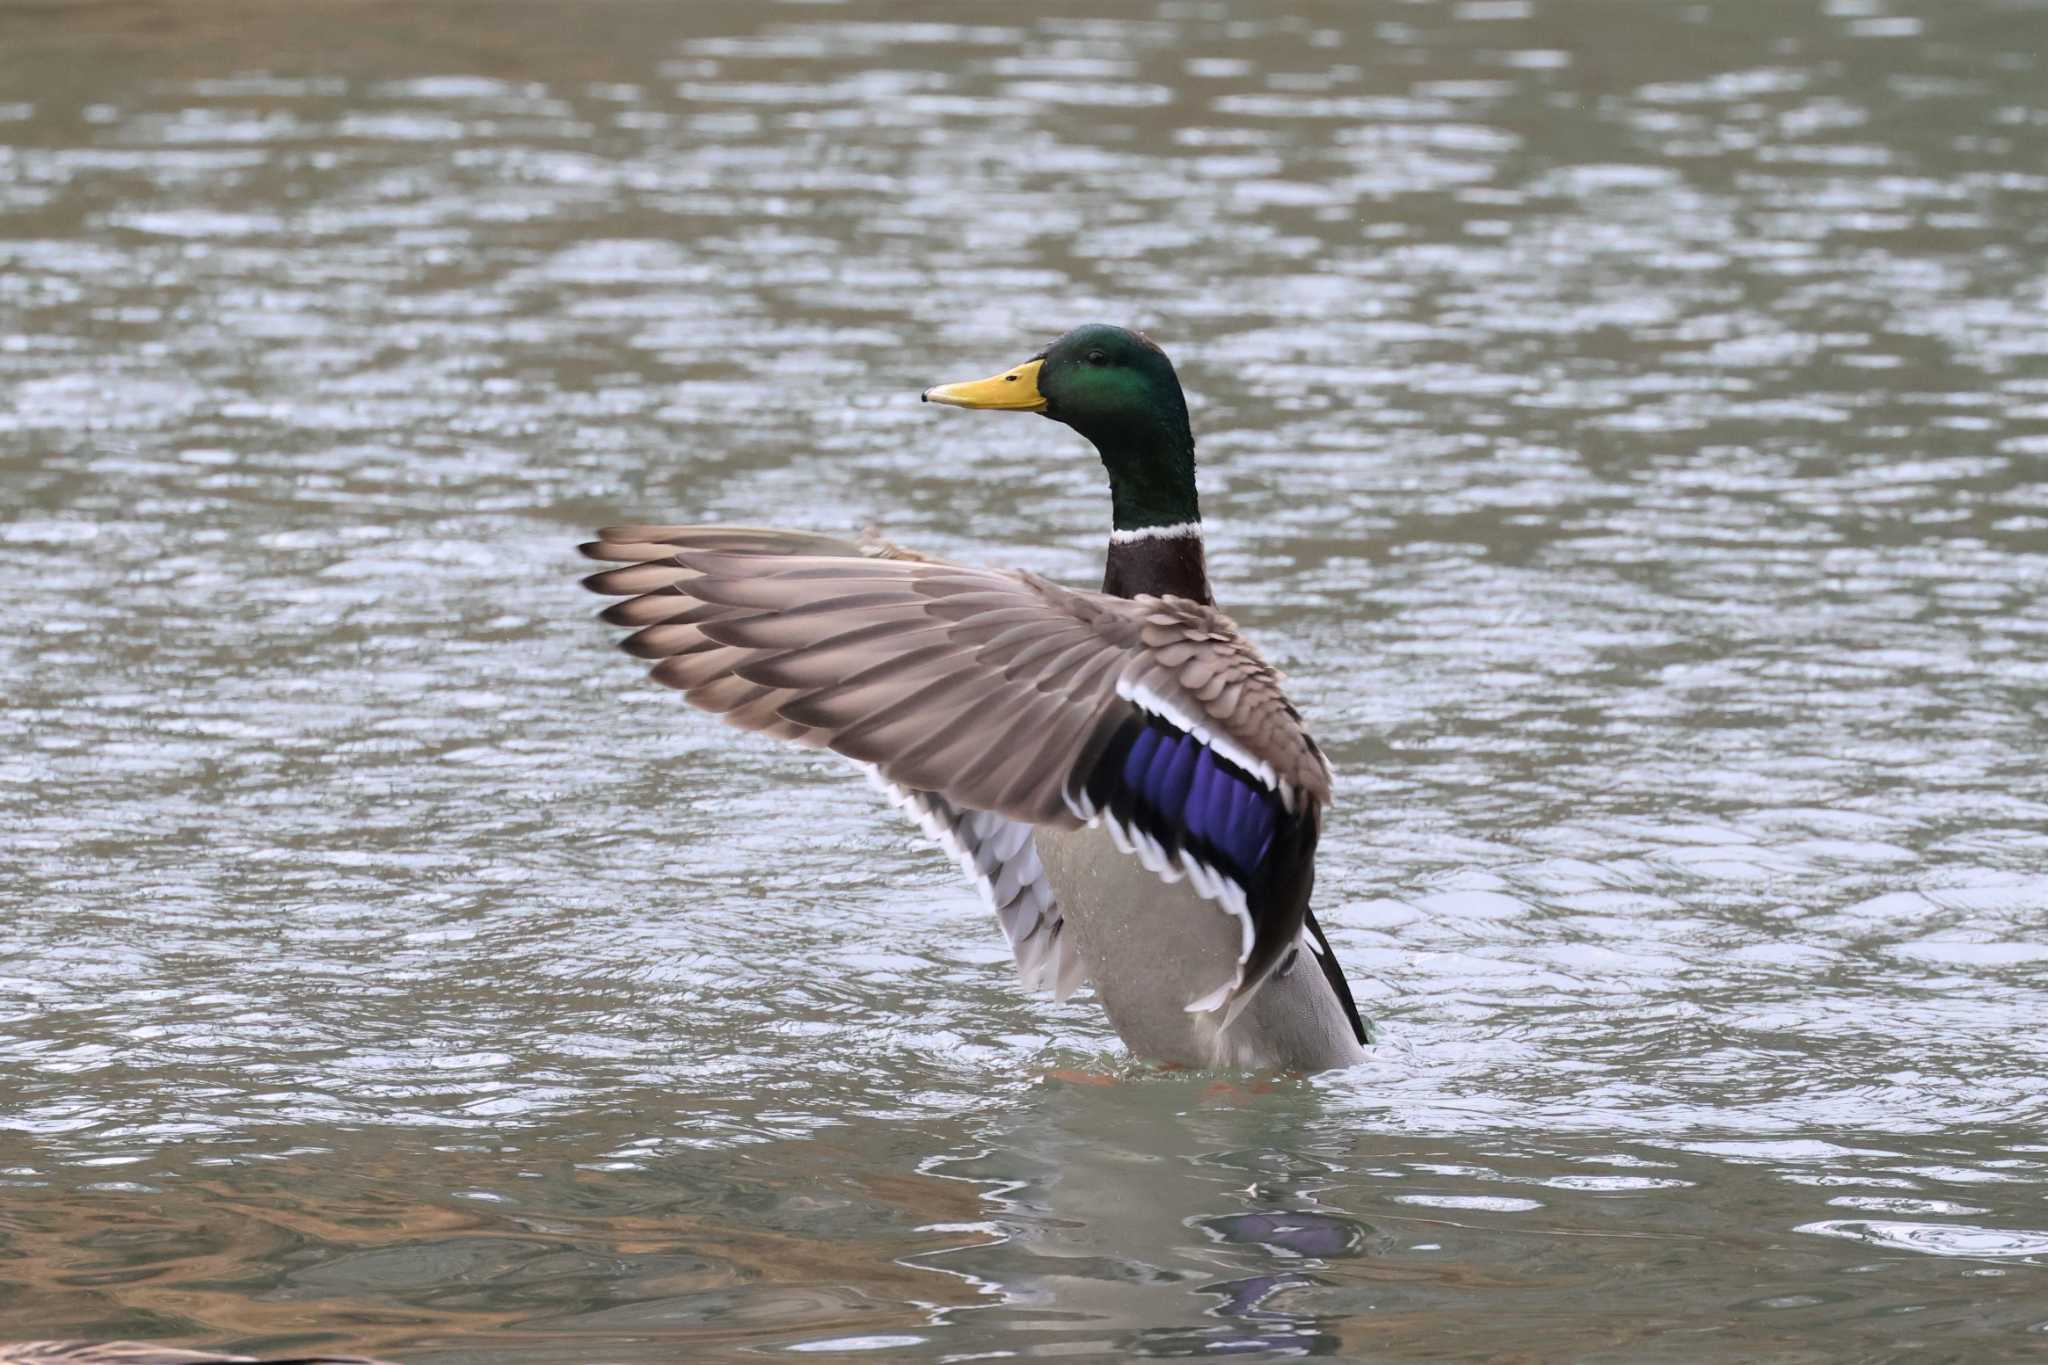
(1628, 425)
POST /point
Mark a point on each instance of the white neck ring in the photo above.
(1178, 531)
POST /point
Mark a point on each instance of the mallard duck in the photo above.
(1119, 771)
(143, 1353)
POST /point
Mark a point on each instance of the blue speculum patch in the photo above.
(1164, 781)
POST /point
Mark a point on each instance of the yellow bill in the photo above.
(1011, 391)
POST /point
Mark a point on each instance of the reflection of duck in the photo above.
(143, 1353)
(1143, 1221)
(1249, 1327)
(1295, 1232)
(1119, 771)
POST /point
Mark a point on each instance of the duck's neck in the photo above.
(1166, 561)
(1156, 544)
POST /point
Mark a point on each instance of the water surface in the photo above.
(1627, 424)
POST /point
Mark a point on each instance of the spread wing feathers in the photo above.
(999, 858)
(669, 620)
(1001, 693)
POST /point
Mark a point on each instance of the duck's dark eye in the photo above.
(1098, 357)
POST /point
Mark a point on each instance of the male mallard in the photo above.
(1119, 771)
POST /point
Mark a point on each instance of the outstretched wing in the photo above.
(994, 852)
(1001, 693)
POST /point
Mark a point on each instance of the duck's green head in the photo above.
(1118, 389)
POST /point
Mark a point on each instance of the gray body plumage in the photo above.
(1150, 948)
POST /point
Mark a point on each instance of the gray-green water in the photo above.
(1628, 424)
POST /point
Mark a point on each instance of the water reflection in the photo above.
(1151, 1217)
(1130, 1199)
